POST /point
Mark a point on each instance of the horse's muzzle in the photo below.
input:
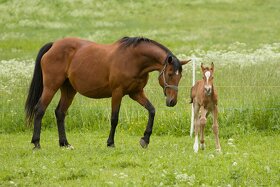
(171, 102)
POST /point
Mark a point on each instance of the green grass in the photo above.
(240, 37)
(251, 160)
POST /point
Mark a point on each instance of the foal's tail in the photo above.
(191, 96)
(36, 86)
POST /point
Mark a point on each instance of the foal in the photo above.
(205, 99)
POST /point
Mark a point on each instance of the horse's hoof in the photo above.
(36, 147)
(111, 145)
(143, 143)
(69, 147)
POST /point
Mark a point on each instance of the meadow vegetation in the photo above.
(240, 37)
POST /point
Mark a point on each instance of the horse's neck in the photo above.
(154, 58)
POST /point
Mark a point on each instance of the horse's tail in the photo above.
(36, 86)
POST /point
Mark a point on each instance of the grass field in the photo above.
(240, 37)
(249, 160)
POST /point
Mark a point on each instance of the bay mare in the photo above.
(205, 99)
(99, 71)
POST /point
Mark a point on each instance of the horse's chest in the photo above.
(136, 84)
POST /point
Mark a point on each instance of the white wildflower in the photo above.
(234, 163)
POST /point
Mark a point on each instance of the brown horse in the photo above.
(100, 71)
(205, 99)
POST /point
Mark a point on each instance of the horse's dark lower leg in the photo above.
(114, 123)
(60, 116)
(39, 113)
(41, 106)
(149, 127)
(142, 100)
(67, 95)
(116, 104)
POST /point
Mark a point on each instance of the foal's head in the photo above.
(169, 78)
(208, 78)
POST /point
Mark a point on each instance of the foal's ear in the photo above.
(183, 62)
(202, 66)
(212, 66)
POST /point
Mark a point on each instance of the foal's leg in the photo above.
(196, 126)
(116, 104)
(67, 95)
(41, 106)
(202, 126)
(142, 100)
(216, 128)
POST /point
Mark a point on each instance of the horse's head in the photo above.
(169, 78)
(208, 78)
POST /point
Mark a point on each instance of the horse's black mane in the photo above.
(134, 41)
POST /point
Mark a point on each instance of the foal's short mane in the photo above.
(134, 41)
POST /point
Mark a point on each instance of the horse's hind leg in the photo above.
(67, 95)
(216, 128)
(116, 104)
(202, 126)
(41, 106)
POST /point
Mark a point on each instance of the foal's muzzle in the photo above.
(208, 90)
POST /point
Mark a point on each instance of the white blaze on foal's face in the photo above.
(207, 75)
(207, 86)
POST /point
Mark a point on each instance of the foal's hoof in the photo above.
(202, 146)
(143, 143)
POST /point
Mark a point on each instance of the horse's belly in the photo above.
(91, 88)
(97, 93)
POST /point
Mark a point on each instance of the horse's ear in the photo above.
(183, 62)
(212, 66)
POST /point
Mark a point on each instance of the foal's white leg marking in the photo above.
(195, 145)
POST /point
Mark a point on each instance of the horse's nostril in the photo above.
(172, 102)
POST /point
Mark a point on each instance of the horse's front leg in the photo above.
(142, 99)
(216, 128)
(116, 104)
